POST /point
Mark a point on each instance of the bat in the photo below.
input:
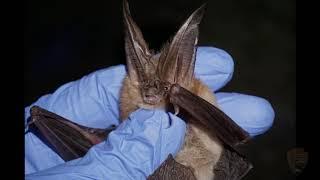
(166, 80)
(163, 80)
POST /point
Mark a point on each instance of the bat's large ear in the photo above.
(137, 51)
(177, 59)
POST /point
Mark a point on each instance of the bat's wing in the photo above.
(172, 170)
(231, 165)
(69, 139)
(177, 59)
(209, 116)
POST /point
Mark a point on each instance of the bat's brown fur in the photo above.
(200, 151)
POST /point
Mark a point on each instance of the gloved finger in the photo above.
(133, 151)
(253, 114)
(214, 67)
(174, 136)
(165, 131)
(90, 101)
(38, 156)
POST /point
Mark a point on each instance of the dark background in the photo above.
(65, 40)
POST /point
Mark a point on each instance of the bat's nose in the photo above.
(152, 91)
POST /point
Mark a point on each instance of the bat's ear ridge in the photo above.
(126, 9)
(137, 50)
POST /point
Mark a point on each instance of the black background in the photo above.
(65, 40)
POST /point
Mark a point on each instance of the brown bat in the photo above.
(159, 80)
(163, 80)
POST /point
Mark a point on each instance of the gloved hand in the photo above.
(93, 101)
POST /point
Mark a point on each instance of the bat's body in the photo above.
(201, 151)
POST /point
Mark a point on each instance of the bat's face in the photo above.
(154, 91)
(155, 73)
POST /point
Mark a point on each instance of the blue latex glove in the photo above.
(93, 101)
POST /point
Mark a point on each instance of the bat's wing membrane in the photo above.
(70, 139)
(172, 170)
(209, 116)
(231, 166)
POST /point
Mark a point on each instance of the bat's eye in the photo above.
(166, 88)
